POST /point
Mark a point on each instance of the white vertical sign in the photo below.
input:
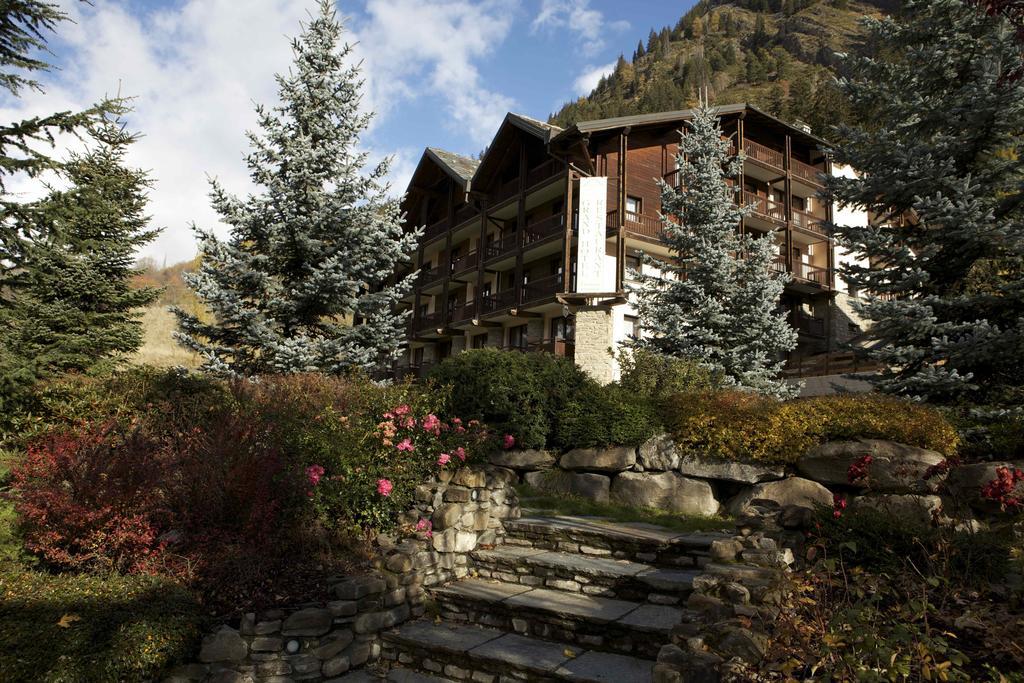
(591, 231)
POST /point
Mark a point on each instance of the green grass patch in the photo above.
(84, 628)
(564, 504)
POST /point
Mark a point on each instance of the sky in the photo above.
(438, 73)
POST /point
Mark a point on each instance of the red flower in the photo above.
(1001, 489)
(858, 470)
(314, 473)
(508, 442)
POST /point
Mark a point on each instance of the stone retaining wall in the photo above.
(316, 642)
(657, 475)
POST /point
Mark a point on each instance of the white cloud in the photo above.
(590, 77)
(197, 68)
(577, 16)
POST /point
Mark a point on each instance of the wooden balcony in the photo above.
(544, 228)
(430, 275)
(809, 222)
(764, 207)
(637, 224)
(811, 273)
(543, 172)
(564, 348)
(542, 288)
(497, 302)
(779, 264)
(465, 213)
(463, 311)
(807, 324)
(435, 230)
(465, 263)
(500, 247)
(764, 155)
(430, 321)
(807, 173)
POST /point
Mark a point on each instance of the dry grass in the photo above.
(158, 346)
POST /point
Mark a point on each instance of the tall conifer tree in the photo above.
(941, 163)
(314, 249)
(716, 301)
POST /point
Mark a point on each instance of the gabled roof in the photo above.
(459, 167)
(598, 125)
(542, 130)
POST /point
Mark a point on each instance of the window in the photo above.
(633, 326)
(517, 337)
(633, 265)
(479, 341)
(417, 356)
(485, 291)
(453, 303)
(423, 309)
(634, 207)
(562, 329)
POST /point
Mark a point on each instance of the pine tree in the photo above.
(75, 304)
(717, 300)
(941, 162)
(311, 254)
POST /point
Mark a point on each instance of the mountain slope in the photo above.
(777, 54)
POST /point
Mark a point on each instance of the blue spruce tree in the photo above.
(300, 284)
(716, 301)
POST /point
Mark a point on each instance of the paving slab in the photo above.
(507, 553)
(526, 653)
(600, 610)
(652, 618)
(588, 564)
(668, 579)
(597, 526)
(445, 636)
(410, 676)
(479, 589)
(604, 667)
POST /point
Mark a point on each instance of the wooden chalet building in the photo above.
(529, 249)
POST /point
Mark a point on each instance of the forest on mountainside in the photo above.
(779, 55)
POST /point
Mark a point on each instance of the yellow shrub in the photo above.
(744, 426)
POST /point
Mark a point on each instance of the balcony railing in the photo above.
(430, 275)
(808, 324)
(809, 222)
(497, 302)
(430, 321)
(544, 228)
(542, 288)
(816, 274)
(463, 311)
(435, 230)
(465, 213)
(565, 348)
(779, 264)
(500, 247)
(542, 172)
(807, 172)
(637, 223)
(461, 264)
(765, 155)
(764, 207)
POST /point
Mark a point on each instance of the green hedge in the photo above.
(606, 415)
(745, 426)
(93, 628)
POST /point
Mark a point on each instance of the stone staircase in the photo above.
(563, 599)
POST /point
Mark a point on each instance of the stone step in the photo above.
(397, 675)
(635, 541)
(478, 653)
(593, 622)
(588, 574)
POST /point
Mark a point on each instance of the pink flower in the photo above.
(432, 424)
(460, 453)
(401, 410)
(314, 473)
(409, 423)
(456, 420)
(426, 527)
(406, 445)
(508, 442)
(444, 459)
(385, 487)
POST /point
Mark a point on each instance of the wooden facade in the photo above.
(497, 258)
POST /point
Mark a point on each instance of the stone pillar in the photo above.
(458, 344)
(842, 315)
(495, 337)
(594, 340)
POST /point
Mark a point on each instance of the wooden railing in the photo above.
(779, 264)
(559, 347)
(435, 230)
(430, 320)
(429, 275)
(816, 274)
(465, 262)
(767, 208)
(542, 172)
(462, 311)
(637, 223)
(465, 213)
(500, 247)
(546, 227)
(806, 172)
(765, 155)
(542, 288)
(809, 222)
(497, 301)
(808, 324)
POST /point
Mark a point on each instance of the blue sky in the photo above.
(439, 73)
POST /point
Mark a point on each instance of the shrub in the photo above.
(743, 426)
(657, 377)
(605, 415)
(521, 394)
(85, 627)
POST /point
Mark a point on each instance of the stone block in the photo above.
(372, 622)
(588, 485)
(658, 454)
(529, 460)
(336, 666)
(664, 491)
(903, 507)
(359, 587)
(312, 621)
(334, 644)
(894, 467)
(226, 645)
(791, 491)
(693, 465)
(612, 459)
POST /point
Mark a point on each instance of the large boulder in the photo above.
(612, 459)
(664, 491)
(592, 486)
(530, 460)
(728, 470)
(791, 491)
(903, 507)
(965, 483)
(894, 467)
(658, 454)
